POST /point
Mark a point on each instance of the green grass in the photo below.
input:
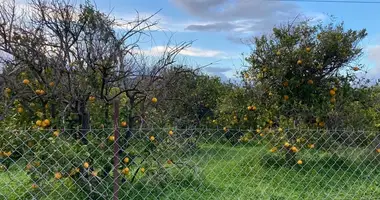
(246, 172)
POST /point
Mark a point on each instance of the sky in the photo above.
(217, 27)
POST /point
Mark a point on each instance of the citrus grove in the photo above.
(65, 74)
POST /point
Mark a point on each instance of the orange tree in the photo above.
(304, 74)
(63, 67)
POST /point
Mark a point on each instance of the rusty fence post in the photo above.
(116, 159)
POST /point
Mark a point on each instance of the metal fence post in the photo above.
(116, 150)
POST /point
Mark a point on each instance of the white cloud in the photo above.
(190, 51)
(373, 56)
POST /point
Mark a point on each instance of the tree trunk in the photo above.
(85, 122)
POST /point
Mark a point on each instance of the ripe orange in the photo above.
(378, 150)
(299, 62)
(261, 134)
(249, 108)
(46, 123)
(26, 81)
(20, 110)
(125, 171)
(280, 129)
(126, 160)
(56, 133)
(311, 146)
(124, 124)
(171, 132)
(91, 98)
(299, 162)
(287, 144)
(285, 84)
(151, 138)
(286, 97)
(310, 82)
(111, 138)
(294, 149)
(7, 90)
(332, 92)
(38, 122)
(7, 154)
(308, 49)
(51, 84)
(34, 186)
(274, 149)
(245, 118)
(258, 130)
(355, 68)
(142, 170)
(332, 100)
(86, 165)
(57, 175)
(154, 100)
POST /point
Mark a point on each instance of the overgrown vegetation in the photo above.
(64, 68)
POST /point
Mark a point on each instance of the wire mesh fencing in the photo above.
(189, 164)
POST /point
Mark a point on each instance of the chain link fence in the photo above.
(189, 164)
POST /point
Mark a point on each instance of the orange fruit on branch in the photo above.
(171, 132)
(111, 138)
(126, 160)
(332, 92)
(125, 171)
(154, 100)
(274, 149)
(20, 110)
(57, 175)
(151, 138)
(34, 186)
(56, 133)
(332, 100)
(299, 162)
(86, 165)
(310, 82)
(294, 149)
(124, 124)
(287, 144)
(26, 81)
(38, 122)
(8, 90)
